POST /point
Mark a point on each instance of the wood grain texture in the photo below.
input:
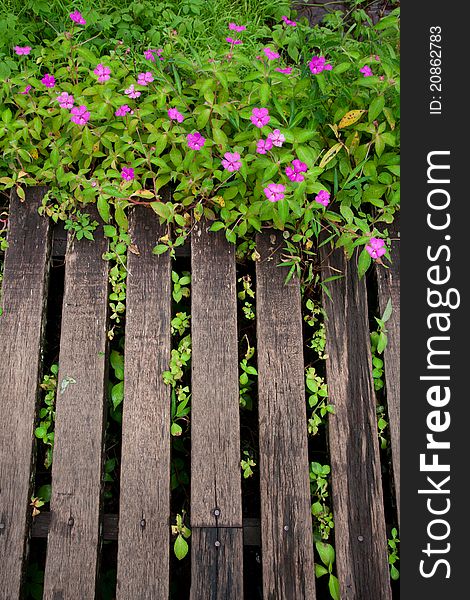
(73, 542)
(388, 281)
(144, 533)
(360, 534)
(40, 528)
(286, 524)
(216, 563)
(215, 424)
(22, 323)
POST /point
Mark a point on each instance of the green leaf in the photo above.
(333, 586)
(382, 343)
(180, 547)
(217, 226)
(264, 93)
(117, 394)
(117, 363)
(120, 216)
(283, 210)
(388, 311)
(326, 553)
(376, 107)
(363, 263)
(40, 432)
(203, 118)
(175, 429)
(103, 209)
(114, 192)
(394, 573)
(87, 138)
(44, 492)
(320, 570)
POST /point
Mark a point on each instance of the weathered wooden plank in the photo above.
(360, 534)
(144, 533)
(286, 527)
(215, 439)
(21, 330)
(40, 528)
(217, 562)
(215, 423)
(388, 281)
(73, 541)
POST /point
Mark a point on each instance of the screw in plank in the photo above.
(70, 522)
(143, 523)
(2, 526)
(217, 543)
(216, 512)
(360, 538)
(286, 527)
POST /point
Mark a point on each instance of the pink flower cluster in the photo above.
(123, 110)
(376, 248)
(80, 115)
(231, 161)
(195, 140)
(144, 78)
(48, 80)
(366, 71)
(286, 71)
(233, 42)
(103, 73)
(127, 173)
(270, 54)
(149, 54)
(288, 21)
(77, 17)
(277, 138)
(175, 115)
(65, 100)
(294, 172)
(22, 50)
(235, 27)
(260, 117)
(318, 64)
(132, 92)
(275, 192)
(323, 198)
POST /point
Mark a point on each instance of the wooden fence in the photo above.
(76, 527)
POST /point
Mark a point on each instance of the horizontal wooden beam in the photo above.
(251, 528)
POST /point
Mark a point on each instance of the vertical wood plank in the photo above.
(73, 541)
(217, 563)
(21, 331)
(144, 531)
(215, 423)
(286, 523)
(388, 281)
(360, 534)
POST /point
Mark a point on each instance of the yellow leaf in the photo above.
(332, 152)
(350, 117)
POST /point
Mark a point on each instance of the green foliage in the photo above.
(393, 556)
(182, 533)
(315, 318)
(317, 391)
(326, 553)
(247, 463)
(344, 126)
(247, 376)
(45, 429)
(323, 517)
(81, 226)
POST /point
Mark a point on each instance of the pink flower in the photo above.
(277, 138)
(271, 55)
(148, 55)
(175, 115)
(22, 51)
(294, 173)
(237, 28)
(65, 100)
(102, 72)
(195, 140)
(233, 42)
(286, 71)
(377, 58)
(288, 21)
(127, 173)
(376, 248)
(122, 110)
(323, 197)
(80, 115)
(76, 16)
(231, 161)
(48, 80)
(263, 146)
(274, 192)
(26, 90)
(318, 64)
(132, 92)
(366, 71)
(144, 78)
(260, 117)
